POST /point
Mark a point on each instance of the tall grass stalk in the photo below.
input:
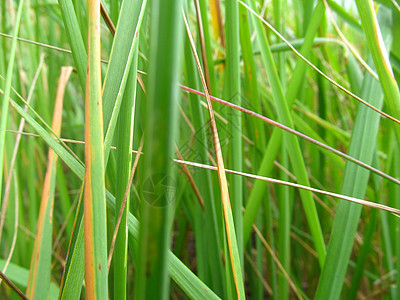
(94, 200)
(161, 131)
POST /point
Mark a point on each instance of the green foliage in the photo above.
(169, 223)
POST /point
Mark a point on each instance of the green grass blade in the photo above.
(185, 278)
(94, 199)
(124, 158)
(160, 117)
(354, 184)
(255, 198)
(40, 271)
(380, 56)
(235, 120)
(233, 266)
(74, 271)
(125, 41)
(7, 90)
(19, 276)
(212, 234)
(291, 142)
(75, 39)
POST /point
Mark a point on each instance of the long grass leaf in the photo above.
(229, 225)
(159, 175)
(7, 90)
(41, 256)
(380, 55)
(94, 200)
(355, 181)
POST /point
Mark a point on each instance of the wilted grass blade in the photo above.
(40, 270)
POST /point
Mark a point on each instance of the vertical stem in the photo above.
(124, 157)
(160, 125)
(233, 95)
(94, 203)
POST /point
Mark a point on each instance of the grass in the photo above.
(199, 149)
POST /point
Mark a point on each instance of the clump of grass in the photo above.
(227, 146)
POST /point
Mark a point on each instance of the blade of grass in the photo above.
(212, 241)
(12, 286)
(94, 199)
(290, 141)
(19, 276)
(124, 156)
(181, 274)
(229, 225)
(15, 151)
(362, 146)
(75, 39)
(7, 90)
(161, 108)
(74, 270)
(275, 136)
(232, 86)
(307, 188)
(380, 56)
(359, 99)
(122, 53)
(41, 256)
